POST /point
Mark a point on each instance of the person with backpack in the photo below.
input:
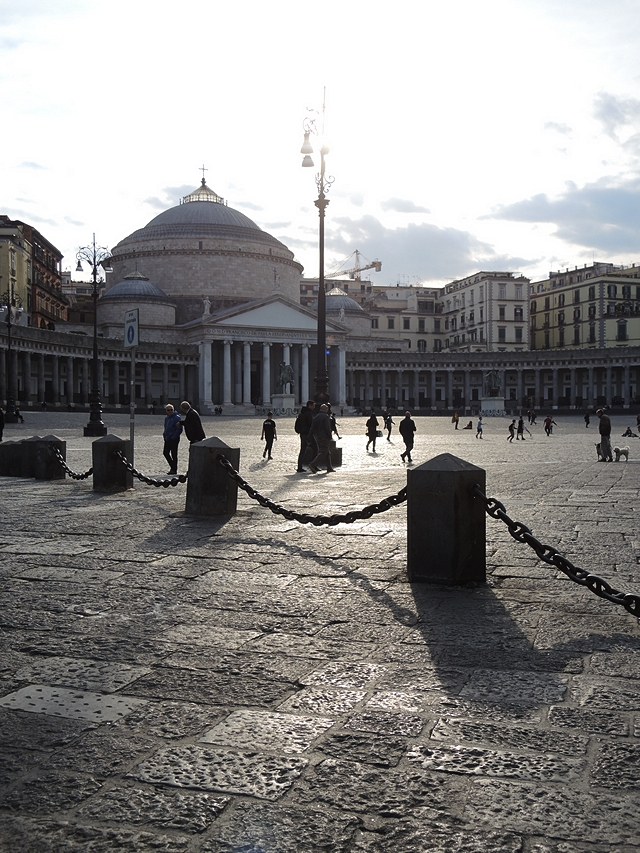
(268, 435)
(303, 427)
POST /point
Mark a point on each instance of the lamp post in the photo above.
(11, 302)
(323, 184)
(95, 256)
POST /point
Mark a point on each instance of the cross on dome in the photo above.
(203, 193)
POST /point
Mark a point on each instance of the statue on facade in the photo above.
(207, 305)
(285, 377)
(492, 384)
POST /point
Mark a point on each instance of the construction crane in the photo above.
(354, 272)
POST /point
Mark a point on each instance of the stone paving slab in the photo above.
(250, 684)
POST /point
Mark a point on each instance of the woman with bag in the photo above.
(372, 430)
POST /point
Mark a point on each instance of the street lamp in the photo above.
(323, 184)
(11, 302)
(95, 256)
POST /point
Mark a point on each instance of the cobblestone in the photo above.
(248, 684)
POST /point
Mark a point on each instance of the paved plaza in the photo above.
(252, 685)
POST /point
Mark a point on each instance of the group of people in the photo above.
(518, 431)
(173, 427)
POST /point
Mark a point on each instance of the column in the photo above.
(554, 388)
(26, 377)
(520, 387)
(182, 383)
(574, 386)
(55, 379)
(399, 401)
(266, 374)
(432, 388)
(295, 359)
(342, 377)
(246, 373)
(114, 382)
(226, 373)
(590, 397)
(537, 393)
(148, 392)
(627, 386)
(466, 390)
(204, 375)
(416, 389)
(165, 383)
(608, 393)
(41, 385)
(449, 389)
(383, 388)
(85, 383)
(237, 374)
(305, 373)
(70, 381)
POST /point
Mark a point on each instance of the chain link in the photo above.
(521, 533)
(305, 518)
(150, 481)
(71, 473)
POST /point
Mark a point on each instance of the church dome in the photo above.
(204, 248)
(337, 300)
(135, 286)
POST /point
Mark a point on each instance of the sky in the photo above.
(466, 136)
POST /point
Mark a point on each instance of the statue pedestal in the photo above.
(283, 401)
(492, 405)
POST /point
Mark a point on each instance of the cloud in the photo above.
(423, 250)
(401, 205)
(248, 204)
(615, 113)
(603, 215)
(558, 127)
(29, 216)
(29, 164)
(73, 222)
(276, 226)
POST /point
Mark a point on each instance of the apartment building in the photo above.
(486, 312)
(595, 307)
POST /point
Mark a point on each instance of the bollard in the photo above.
(210, 490)
(29, 446)
(335, 454)
(11, 458)
(109, 474)
(446, 526)
(47, 466)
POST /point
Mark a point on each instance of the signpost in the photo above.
(131, 324)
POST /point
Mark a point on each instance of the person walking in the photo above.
(587, 420)
(549, 424)
(191, 423)
(388, 424)
(268, 435)
(303, 427)
(512, 430)
(479, 428)
(604, 428)
(334, 425)
(372, 430)
(521, 429)
(455, 420)
(171, 435)
(321, 432)
(406, 429)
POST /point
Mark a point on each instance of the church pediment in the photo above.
(274, 314)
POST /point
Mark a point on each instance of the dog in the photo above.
(621, 451)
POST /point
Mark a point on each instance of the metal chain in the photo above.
(521, 533)
(150, 481)
(305, 518)
(71, 473)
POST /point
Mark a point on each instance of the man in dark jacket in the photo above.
(407, 428)
(321, 431)
(192, 423)
(171, 435)
(302, 427)
(604, 428)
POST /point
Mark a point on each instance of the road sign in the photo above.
(131, 323)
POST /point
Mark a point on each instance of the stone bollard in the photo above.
(11, 458)
(335, 454)
(446, 525)
(109, 474)
(47, 466)
(29, 446)
(210, 490)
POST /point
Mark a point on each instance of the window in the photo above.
(421, 324)
(592, 333)
(518, 315)
(502, 291)
(561, 336)
(471, 317)
(622, 330)
(406, 322)
(502, 334)
(422, 346)
(374, 322)
(534, 306)
(561, 299)
(592, 311)
(518, 291)
(437, 346)
(436, 325)
(502, 311)
(561, 318)
(533, 322)
(592, 293)
(546, 340)
(518, 335)
(612, 291)
(547, 303)
(576, 335)
(576, 313)
(576, 296)
(391, 322)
